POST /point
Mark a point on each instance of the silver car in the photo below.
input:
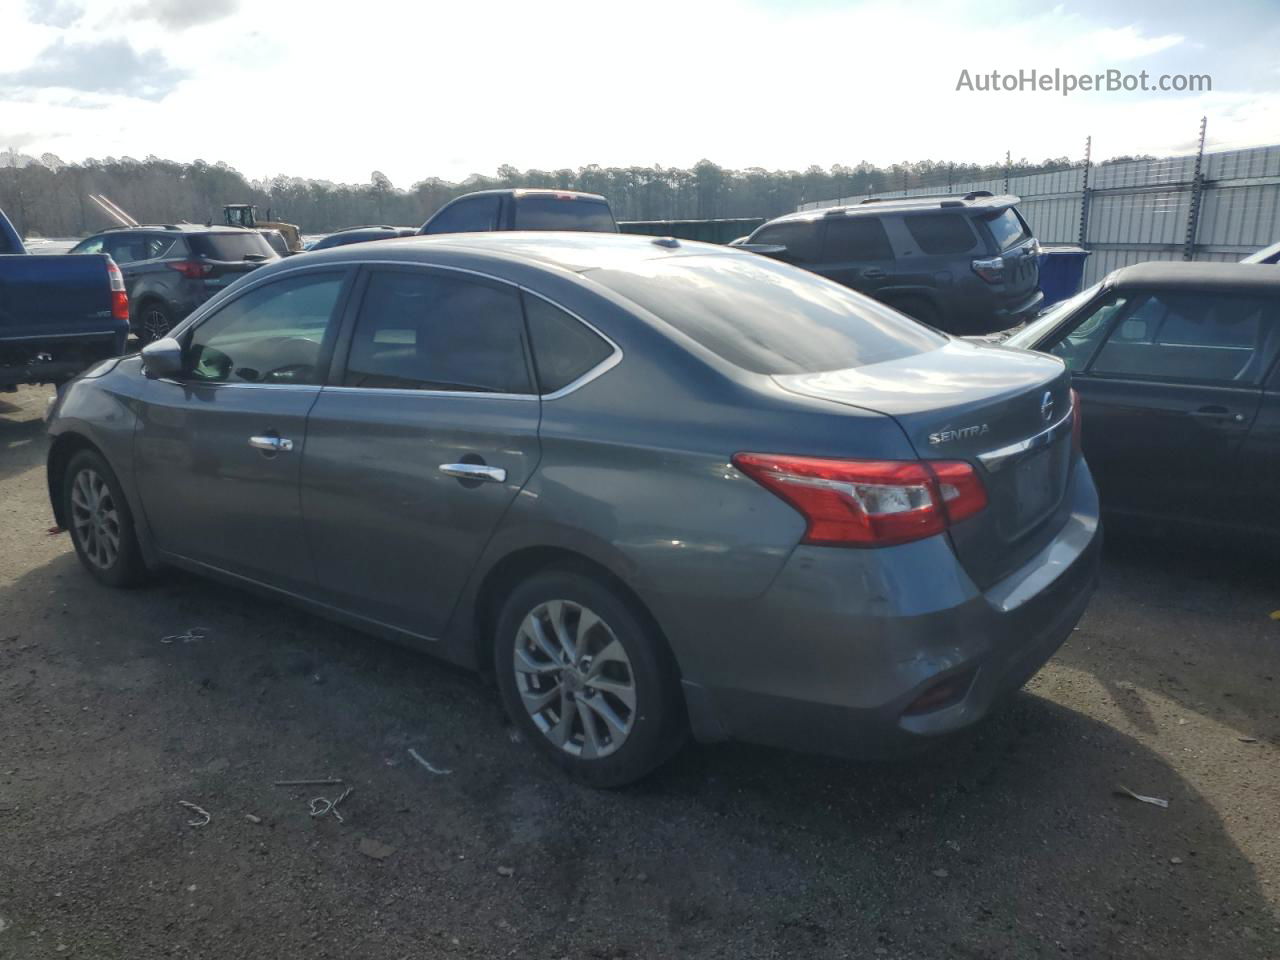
(657, 487)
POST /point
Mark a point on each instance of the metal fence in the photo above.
(1215, 206)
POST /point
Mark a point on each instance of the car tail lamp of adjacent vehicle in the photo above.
(119, 299)
(1076, 416)
(191, 269)
(990, 270)
(869, 503)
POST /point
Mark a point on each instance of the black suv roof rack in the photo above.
(971, 195)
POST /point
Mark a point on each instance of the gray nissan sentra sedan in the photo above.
(656, 487)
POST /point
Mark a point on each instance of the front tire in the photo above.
(100, 521)
(587, 678)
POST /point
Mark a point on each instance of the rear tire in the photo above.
(587, 678)
(100, 521)
(154, 321)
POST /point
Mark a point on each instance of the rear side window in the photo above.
(1192, 337)
(427, 331)
(564, 348)
(800, 237)
(941, 233)
(767, 317)
(542, 211)
(1007, 228)
(471, 215)
(231, 247)
(856, 238)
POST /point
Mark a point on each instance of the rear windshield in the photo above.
(768, 317)
(231, 246)
(543, 212)
(1007, 228)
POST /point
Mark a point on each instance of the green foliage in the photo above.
(47, 197)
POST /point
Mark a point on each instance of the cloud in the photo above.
(1128, 43)
(181, 14)
(106, 66)
(54, 13)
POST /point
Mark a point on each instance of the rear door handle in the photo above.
(873, 273)
(1218, 413)
(474, 471)
(272, 444)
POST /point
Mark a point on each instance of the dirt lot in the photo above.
(1010, 843)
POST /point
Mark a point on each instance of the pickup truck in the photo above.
(58, 314)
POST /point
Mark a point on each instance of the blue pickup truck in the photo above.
(58, 315)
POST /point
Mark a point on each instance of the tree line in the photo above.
(46, 197)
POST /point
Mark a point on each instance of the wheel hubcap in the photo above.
(95, 519)
(575, 679)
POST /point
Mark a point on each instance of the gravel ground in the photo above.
(1009, 843)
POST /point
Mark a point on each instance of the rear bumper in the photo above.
(55, 359)
(846, 641)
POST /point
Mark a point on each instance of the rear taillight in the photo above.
(869, 503)
(991, 270)
(119, 299)
(191, 269)
(1076, 417)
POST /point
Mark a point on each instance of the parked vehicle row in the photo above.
(57, 315)
(656, 487)
(170, 269)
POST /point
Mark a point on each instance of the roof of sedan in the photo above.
(1217, 276)
(579, 252)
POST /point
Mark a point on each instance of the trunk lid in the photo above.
(1005, 411)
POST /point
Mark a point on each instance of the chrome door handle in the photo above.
(474, 471)
(273, 444)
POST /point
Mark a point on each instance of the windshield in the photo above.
(1037, 328)
(768, 317)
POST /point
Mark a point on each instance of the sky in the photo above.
(416, 89)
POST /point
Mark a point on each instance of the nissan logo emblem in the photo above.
(1046, 406)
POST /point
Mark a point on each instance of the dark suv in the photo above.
(963, 264)
(170, 269)
(523, 210)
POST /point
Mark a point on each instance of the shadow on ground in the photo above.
(1007, 843)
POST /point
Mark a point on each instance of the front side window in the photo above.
(800, 237)
(941, 233)
(419, 330)
(1190, 337)
(1082, 339)
(856, 238)
(272, 334)
(471, 215)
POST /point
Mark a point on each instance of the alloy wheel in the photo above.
(575, 679)
(155, 324)
(95, 519)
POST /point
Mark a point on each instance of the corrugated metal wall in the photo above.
(1140, 210)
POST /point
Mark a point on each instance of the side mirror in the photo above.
(163, 358)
